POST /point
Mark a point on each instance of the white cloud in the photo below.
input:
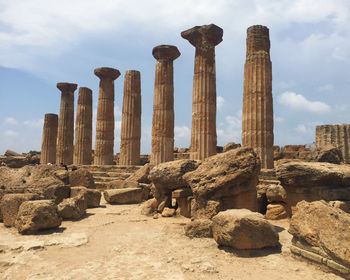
(230, 130)
(298, 102)
(117, 111)
(34, 123)
(220, 101)
(301, 128)
(182, 132)
(11, 121)
(10, 133)
(325, 88)
(278, 119)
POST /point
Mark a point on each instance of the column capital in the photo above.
(166, 52)
(258, 39)
(107, 73)
(66, 87)
(205, 34)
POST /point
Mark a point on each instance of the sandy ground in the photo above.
(117, 242)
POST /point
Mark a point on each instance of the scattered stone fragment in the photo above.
(123, 196)
(243, 229)
(168, 212)
(92, 197)
(81, 177)
(276, 193)
(343, 205)
(72, 208)
(36, 215)
(56, 192)
(276, 211)
(230, 146)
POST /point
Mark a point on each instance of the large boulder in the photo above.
(199, 228)
(141, 175)
(276, 211)
(329, 154)
(313, 181)
(37, 215)
(243, 229)
(10, 205)
(123, 196)
(57, 192)
(92, 197)
(72, 208)
(224, 181)
(322, 231)
(168, 176)
(81, 177)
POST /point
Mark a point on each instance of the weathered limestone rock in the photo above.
(325, 232)
(163, 105)
(37, 215)
(329, 153)
(131, 120)
(49, 139)
(123, 196)
(105, 116)
(168, 212)
(81, 177)
(10, 204)
(10, 153)
(149, 207)
(257, 118)
(83, 128)
(230, 146)
(313, 181)
(243, 229)
(65, 132)
(203, 133)
(337, 135)
(276, 193)
(56, 192)
(342, 205)
(92, 197)
(224, 181)
(72, 208)
(199, 228)
(141, 175)
(276, 211)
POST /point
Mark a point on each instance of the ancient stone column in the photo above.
(203, 133)
(65, 133)
(83, 128)
(257, 118)
(337, 135)
(105, 116)
(163, 104)
(48, 145)
(131, 120)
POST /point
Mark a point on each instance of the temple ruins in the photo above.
(49, 139)
(337, 135)
(130, 136)
(65, 132)
(163, 105)
(257, 117)
(83, 128)
(105, 116)
(203, 132)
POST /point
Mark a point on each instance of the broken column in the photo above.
(337, 135)
(131, 120)
(83, 128)
(65, 133)
(105, 116)
(257, 118)
(203, 133)
(163, 104)
(48, 145)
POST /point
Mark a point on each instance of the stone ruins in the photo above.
(232, 194)
(337, 135)
(257, 117)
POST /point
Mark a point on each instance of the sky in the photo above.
(43, 42)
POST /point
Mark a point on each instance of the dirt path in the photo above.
(117, 242)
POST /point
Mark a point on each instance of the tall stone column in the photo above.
(65, 133)
(131, 120)
(203, 133)
(337, 135)
(105, 116)
(257, 119)
(49, 140)
(163, 105)
(83, 128)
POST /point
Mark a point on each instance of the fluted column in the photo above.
(203, 132)
(337, 135)
(105, 116)
(163, 104)
(65, 133)
(49, 139)
(83, 128)
(131, 120)
(257, 118)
